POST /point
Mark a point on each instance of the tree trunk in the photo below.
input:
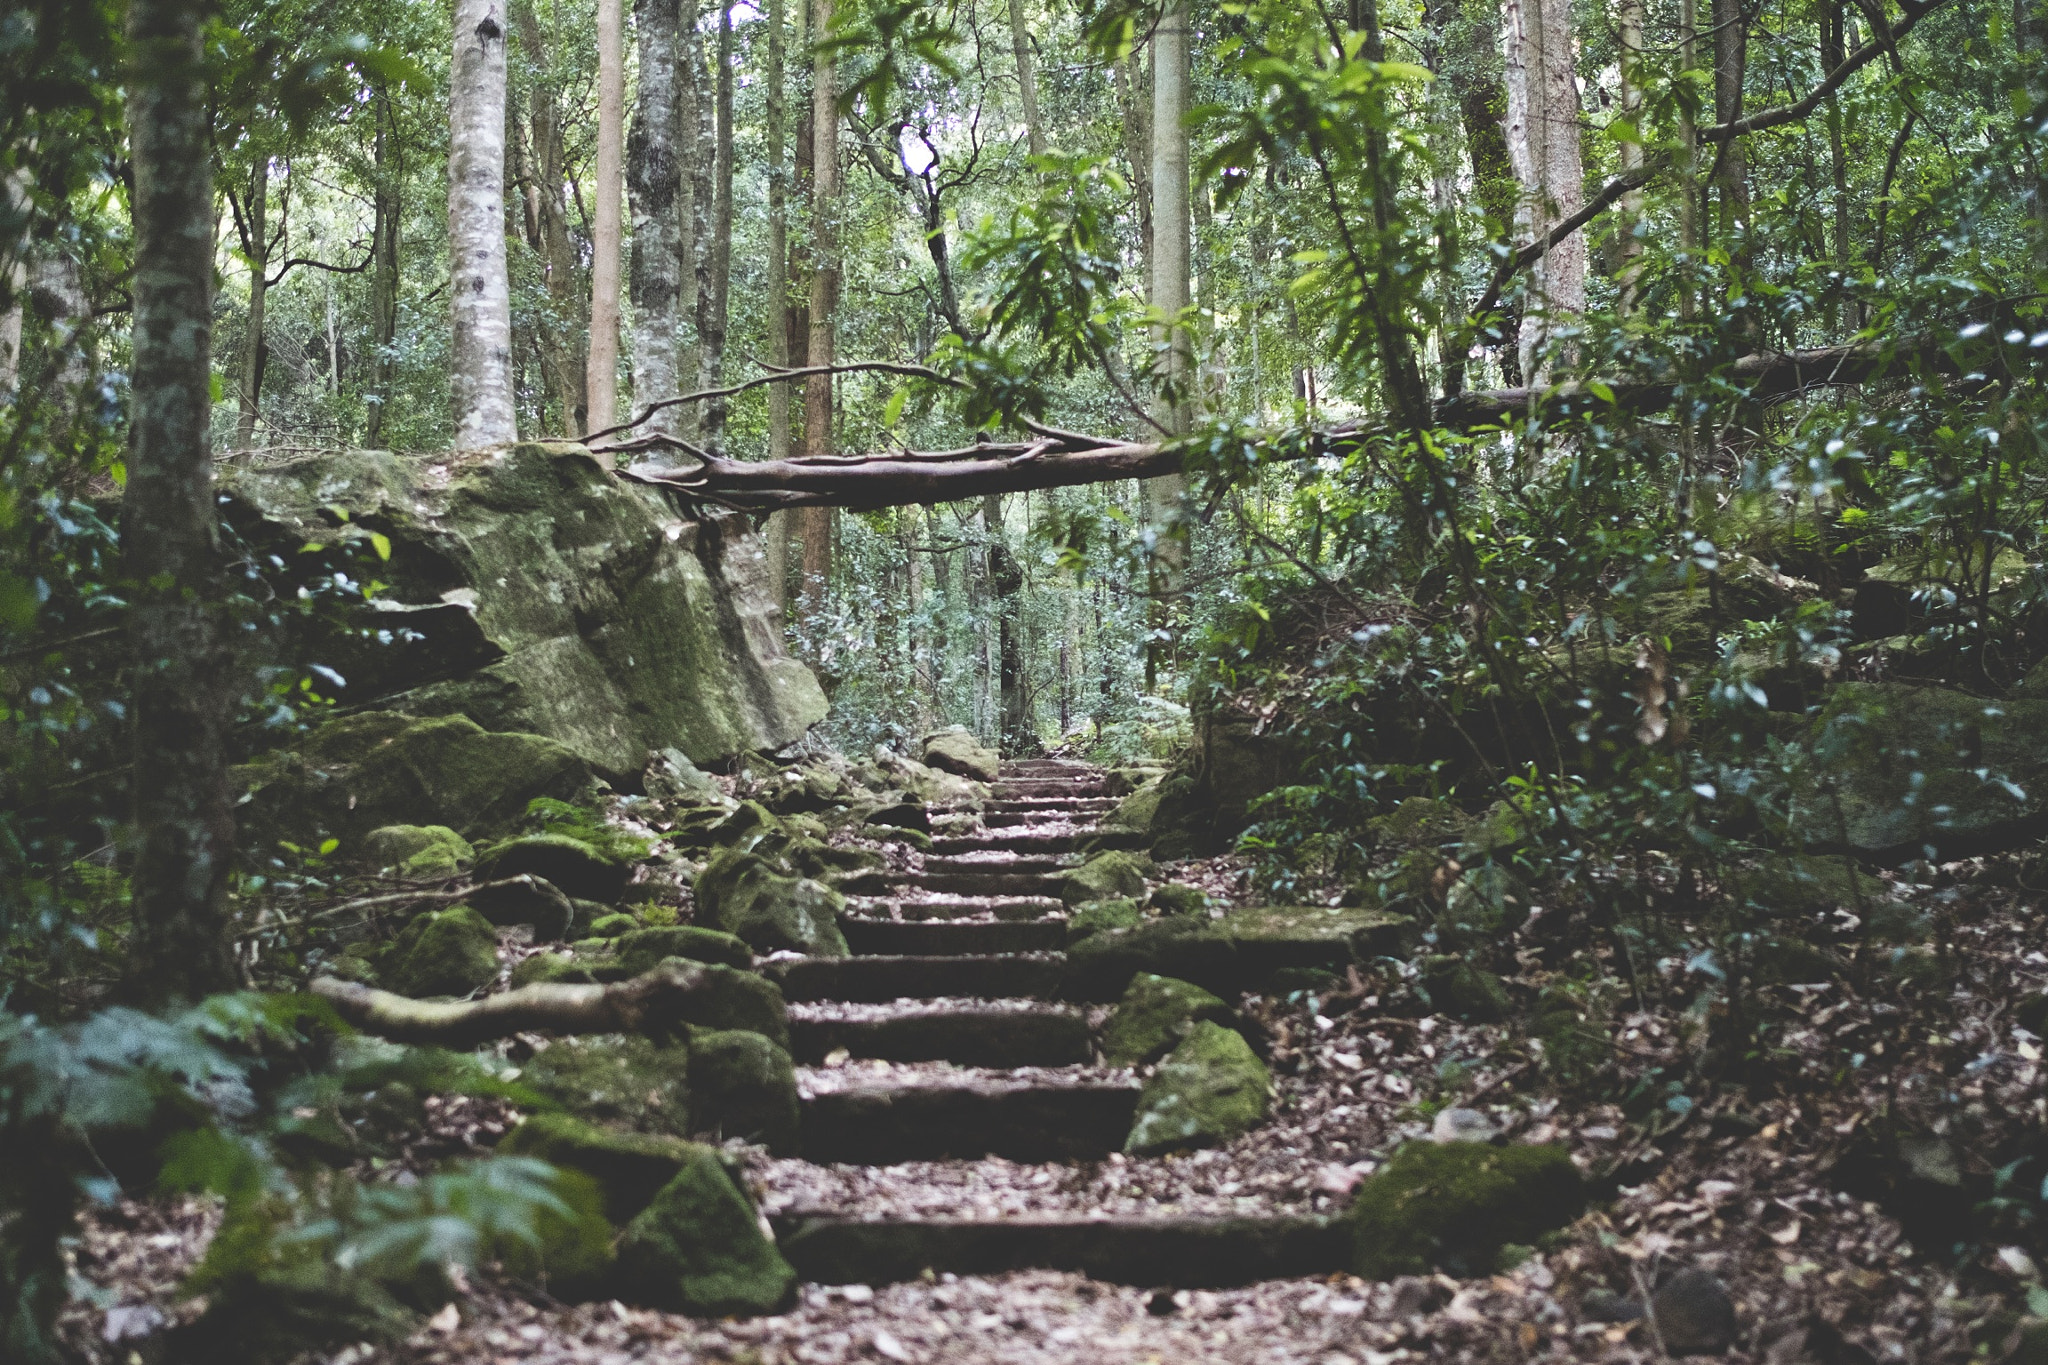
(1832, 51)
(560, 355)
(601, 370)
(2030, 33)
(1630, 24)
(654, 180)
(184, 825)
(386, 208)
(1731, 59)
(714, 266)
(1171, 233)
(776, 325)
(694, 139)
(816, 523)
(1470, 35)
(1027, 78)
(256, 246)
(14, 211)
(1018, 738)
(1133, 94)
(480, 358)
(656, 1003)
(1543, 140)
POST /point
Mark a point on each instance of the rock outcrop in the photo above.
(534, 592)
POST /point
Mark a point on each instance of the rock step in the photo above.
(1026, 839)
(1039, 805)
(1046, 767)
(897, 884)
(951, 938)
(1027, 819)
(1174, 1252)
(1017, 788)
(876, 977)
(994, 1033)
(1018, 1118)
(1001, 860)
(956, 907)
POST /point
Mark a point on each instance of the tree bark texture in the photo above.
(1629, 23)
(601, 368)
(256, 246)
(184, 825)
(1469, 36)
(1731, 61)
(776, 324)
(480, 360)
(654, 181)
(815, 526)
(1027, 78)
(386, 210)
(1006, 586)
(1543, 141)
(714, 260)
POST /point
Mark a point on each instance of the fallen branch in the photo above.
(652, 1003)
(896, 479)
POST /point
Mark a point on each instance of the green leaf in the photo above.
(892, 411)
(381, 543)
(328, 846)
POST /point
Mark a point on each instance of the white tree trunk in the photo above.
(1171, 242)
(480, 363)
(601, 368)
(1543, 141)
(654, 178)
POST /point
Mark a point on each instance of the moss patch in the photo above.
(1212, 1088)
(698, 1248)
(443, 952)
(1094, 917)
(743, 893)
(1455, 1205)
(617, 1079)
(421, 852)
(1154, 1015)
(744, 1086)
(629, 1168)
(639, 949)
(1106, 876)
(581, 871)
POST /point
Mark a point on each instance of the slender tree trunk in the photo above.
(797, 334)
(1630, 24)
(715, 261)
(256, 246)
(601, 370)
(2030, 32)
(816, 525)
(480, 358)
(1689, 159)
(1469, 36)
(384, 266)
(1543, 138)
(1171, 246)
(694, 140)
(561, 357)
(1027, 78)
(1018, 739)
(1832, 54)
(1731, 60)
(1134, 97)
(184, 825)
(654, 181)
(14, 212)
(777, 323)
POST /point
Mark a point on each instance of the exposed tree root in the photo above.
(651, 1003)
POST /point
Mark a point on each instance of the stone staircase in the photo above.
(957, 980)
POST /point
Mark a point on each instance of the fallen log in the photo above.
(652, 1003)
(1064, 459)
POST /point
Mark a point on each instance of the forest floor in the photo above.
(1747, 1182)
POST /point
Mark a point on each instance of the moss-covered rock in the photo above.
(580, 870)
(1156, 1013)
(1178, 898)
(733, 999)
(617, 1079)
(902, 815)
(443, 952)
(1096, 916)
(1895, 767)
(1454, 1205)
(527, 899)
(1464, 991)
(421, 852)
(826, 861)
(614, 925)
(956, 750)
(553, 969)
(378, 768)
(698, 1248)
(572, 1254)
(745, 894)
(1212, 1088)
(744, 1086)
(1137, 810)
(544, 594)
(1419, 822)
(1569, 1022)
(1483, 902)
(1106, 876)
(943, 790)
(639, 949)
(1239, 951)
(1806, 885)
(629, 1168)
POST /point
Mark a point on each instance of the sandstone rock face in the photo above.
(533, 591)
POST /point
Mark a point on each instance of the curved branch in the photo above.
(651, 1003)
(782, 376)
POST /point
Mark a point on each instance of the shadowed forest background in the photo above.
(1496, 548)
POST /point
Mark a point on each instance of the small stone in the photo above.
(1456, 1206)
(1463, 1125)
(418, 852)
(699, 1248)
(1178, 898)
(1694, 1314)
(1106, 876)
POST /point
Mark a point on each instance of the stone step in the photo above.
(952, 938)
(1046, 767)
(1020, 788)
(1028, 840)
(1000, 861)
(901, 885)
(1020, 1118)
(924, 906)
(1179, 1252)
(1041, 804)
(878, 977)
(986, 1033)
(1027, 819)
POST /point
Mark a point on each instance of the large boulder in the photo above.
(374, 769)
(619, 1079)
(1212, 1088)
(1107, 876)
(534, 591)
(699, 1248)
(1895, 768)
(956, 750)
(745, 894)
(1453, 1206)
(421, 852)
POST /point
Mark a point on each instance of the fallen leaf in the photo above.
(447, 1320)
